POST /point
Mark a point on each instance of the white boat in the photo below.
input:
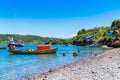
(12, 42)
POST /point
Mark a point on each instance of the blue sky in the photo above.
(55, 18)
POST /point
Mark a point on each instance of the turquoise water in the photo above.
(18, 67)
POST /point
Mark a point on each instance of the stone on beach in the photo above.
(101, 67)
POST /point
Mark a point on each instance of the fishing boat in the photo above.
(19, 44)
(12, 42)
(40, 50)
(51, 51)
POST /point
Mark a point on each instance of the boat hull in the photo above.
(51, 51)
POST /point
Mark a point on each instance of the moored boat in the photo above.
(44, 49)
(19, 45)
(50, 51)
(1, 48)
(12, 42)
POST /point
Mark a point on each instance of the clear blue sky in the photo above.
(55, 18)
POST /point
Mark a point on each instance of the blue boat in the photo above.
(19, 45)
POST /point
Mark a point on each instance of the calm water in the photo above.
(18, 67)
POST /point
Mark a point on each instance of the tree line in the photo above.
(31, 39)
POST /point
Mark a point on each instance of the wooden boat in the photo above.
(51, 51)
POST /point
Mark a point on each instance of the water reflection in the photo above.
(46, 57)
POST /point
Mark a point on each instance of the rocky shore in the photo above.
(105, 66)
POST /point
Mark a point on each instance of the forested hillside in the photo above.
(31, 39)
(101, 33)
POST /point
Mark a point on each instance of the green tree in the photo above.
(82, 31)
(115, 24)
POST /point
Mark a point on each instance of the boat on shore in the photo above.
(51, 51)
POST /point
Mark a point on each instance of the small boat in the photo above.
(51, 51)
(1, 48)
(19, 45)
(12, 42)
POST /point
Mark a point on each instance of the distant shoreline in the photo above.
(105, 66)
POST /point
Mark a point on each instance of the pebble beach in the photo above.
(105, 66)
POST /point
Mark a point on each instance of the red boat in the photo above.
(40, 50)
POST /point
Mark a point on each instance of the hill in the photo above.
(31, 39)
(101, 34)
